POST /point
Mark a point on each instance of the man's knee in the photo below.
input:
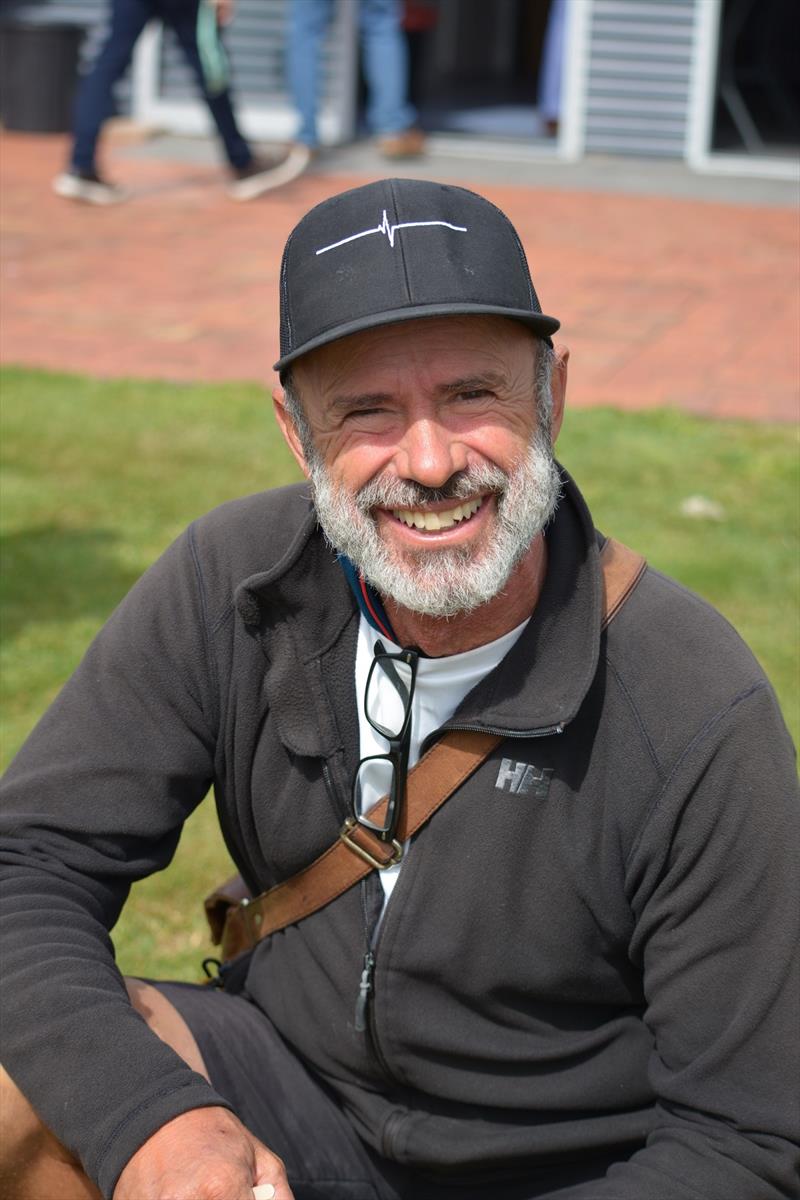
(33, 1163)
(165, 1021)
(21, 1128)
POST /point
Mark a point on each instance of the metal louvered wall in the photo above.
(639, 64)
(255, 44)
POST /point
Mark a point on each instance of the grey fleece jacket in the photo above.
(590, 953)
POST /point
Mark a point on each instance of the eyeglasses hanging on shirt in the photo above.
(387, 707)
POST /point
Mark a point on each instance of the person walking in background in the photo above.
(390, 115)
(552, 68)
(252, 175)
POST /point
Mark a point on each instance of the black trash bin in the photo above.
(38, 75)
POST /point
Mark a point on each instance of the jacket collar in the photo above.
(305, 586)
(561, 643)
(305, 616)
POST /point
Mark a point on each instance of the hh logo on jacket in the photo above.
(523, 778)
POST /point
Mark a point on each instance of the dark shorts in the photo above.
(295, 1115)
(274, 1095)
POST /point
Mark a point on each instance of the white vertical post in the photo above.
(698, 150)
(700, 115)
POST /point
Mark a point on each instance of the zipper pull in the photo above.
(364, 989)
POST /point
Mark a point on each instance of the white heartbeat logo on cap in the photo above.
(390, 230)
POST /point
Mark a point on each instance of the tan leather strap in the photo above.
(622, 569)
(358, 851)
(430, 782)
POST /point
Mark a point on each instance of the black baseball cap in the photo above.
(397, 250)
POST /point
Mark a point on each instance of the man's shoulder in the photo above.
(678, 658)
(253, 531)
(248, 536)
(673, 615)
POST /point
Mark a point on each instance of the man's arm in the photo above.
(95, 800)
(714, 885)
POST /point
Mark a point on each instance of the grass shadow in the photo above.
(49, 573)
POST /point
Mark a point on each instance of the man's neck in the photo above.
(438, 636)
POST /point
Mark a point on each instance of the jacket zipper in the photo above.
(364, 992)
(365, 1011)
(364, 1017)
(366, 982)
(339, 808)
(364, 1014)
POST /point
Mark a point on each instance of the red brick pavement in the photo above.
(663, 301)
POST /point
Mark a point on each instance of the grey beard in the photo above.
(441, 582)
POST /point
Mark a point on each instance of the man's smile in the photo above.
(445, 519)
(446, 523)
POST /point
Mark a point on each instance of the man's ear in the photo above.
(287, 428)
(559, 389)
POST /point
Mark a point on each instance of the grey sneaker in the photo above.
(87, 186)
(262, 175)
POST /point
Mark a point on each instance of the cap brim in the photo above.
(542, 325)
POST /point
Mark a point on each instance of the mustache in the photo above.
(390, 492)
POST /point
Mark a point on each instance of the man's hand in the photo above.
(224, 11)
(205, 1154)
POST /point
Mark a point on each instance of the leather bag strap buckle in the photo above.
(359, 839)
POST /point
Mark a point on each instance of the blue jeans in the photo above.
(385, 59)
(94, 102)
(552, 66)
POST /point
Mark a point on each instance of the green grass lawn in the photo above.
(98, 477)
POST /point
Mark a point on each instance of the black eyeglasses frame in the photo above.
(399, 745)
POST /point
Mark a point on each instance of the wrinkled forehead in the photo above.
(453, 343)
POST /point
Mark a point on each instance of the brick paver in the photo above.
(663, 301)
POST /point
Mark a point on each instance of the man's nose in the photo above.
(429, 453)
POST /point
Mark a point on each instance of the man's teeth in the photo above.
(438, 520)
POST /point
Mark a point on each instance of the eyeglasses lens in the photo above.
(388, 695)
(373, 780)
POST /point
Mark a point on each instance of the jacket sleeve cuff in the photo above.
(142, 1123)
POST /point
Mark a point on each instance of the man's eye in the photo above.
(474, 394)
(365, 412)
(367, 418)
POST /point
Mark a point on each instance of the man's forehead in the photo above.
(489, 343)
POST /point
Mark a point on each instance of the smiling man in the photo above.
(433, 469)
(558, 959)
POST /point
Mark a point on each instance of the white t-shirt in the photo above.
(442, 683)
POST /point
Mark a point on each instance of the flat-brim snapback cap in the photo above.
(397, 250)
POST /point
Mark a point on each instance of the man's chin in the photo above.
(449, 576)
(424, 566)
(444, 582)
